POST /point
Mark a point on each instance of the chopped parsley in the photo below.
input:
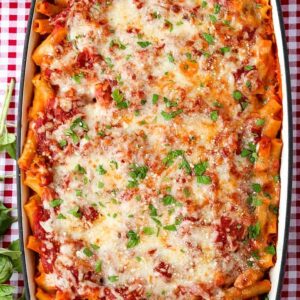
(171, 227)
(101, 133)
(152, 210)
(256, 187)
(186, 192)
(217, 8)
(113, 278)
(214, 115)
(254, 201)
(225, 50)
(171, 115)
(62, 143)
(79, 122)
(199, 170)
(156, 15)
(204, 179)
(170, 103)
(260, 122)
(169, 25)
(170, 57)
(171, 156)
(79, 169)
(109, 62)
(155, 98)
(101, 170)
(209, 38)
(254, 231)
(55, 202)
(255, 254)
(148, 230)
(248, 84)
(95, 247)
(88, 252)
(119, 99)
(273, 209)
(189, 56)
(244, 105)
(133, 239)
(185, 165)
(101, 185)
(61, 217)
(270, 250)
(248, 68)
(250, 153)
(77, 77)
(144, 44)
(168, 200)
(217, 104)
(213, 18)
(114, 164)
(72, 135)
(75, 212)
(136, 173)
(98, 266)
(117, 43)
(237, 95)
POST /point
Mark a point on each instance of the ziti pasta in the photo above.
(153, 149)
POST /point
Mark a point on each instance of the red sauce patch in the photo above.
(164, 269)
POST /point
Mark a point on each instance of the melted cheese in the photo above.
(161, 236)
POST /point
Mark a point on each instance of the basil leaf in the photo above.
(6, 291)
(5, 218)
(6, 269)
(15, 255)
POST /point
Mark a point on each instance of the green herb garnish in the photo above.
(88, 252)
(209, 38)
(237, 95)
(148, 230)
(270, 250)
(55, 202)
(171, 115)
(119, 99)
(144, 44)
(214, 115)
(254, 231)
(133, 239)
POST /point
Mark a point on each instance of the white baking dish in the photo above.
(26, 89)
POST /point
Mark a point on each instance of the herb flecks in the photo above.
(137, 173)
(119, 99)
(133, 239)
(200, 170)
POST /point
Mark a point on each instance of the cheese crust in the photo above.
(157, 150)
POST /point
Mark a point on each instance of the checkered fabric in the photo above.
(13, 21)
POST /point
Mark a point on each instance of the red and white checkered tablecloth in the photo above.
(13, 21)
